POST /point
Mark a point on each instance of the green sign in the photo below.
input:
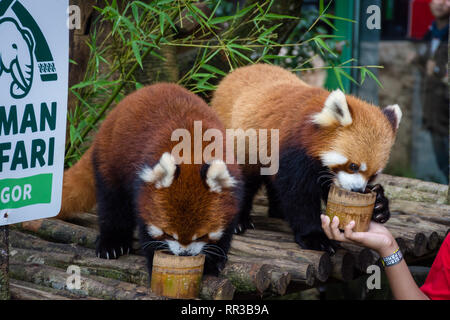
(18, 193)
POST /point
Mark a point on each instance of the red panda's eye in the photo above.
(202, 238)
(168, 237)
(353, 167)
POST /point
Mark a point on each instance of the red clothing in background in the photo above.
(437, 285)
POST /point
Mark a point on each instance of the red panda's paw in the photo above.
(214, 266)
(112, 249)
(381, 212)
(243, 225)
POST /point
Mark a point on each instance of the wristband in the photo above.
(393, 259)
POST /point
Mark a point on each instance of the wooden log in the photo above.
(261, 198)
(344, 264)
(433, 241)
(280, 281)
(435, 233)
(214, 288)
(284, 250)
(415, 242)
(437, 213)
(91, 286)
(127, 268)
(270, 235)
(262, 222)
(301, 273)
(248, 277)
(395, 192)
(440, 190)
(417, 223)
(60, 231)
(29, 241)
(364, 256)
(88, 220)
(21, 290)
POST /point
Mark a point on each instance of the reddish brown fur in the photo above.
(136, 133)
(78, 193)
(265, 96)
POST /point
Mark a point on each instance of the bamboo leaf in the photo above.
(137, 53)
(374, 77)
(213, 69)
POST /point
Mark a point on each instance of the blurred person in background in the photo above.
(433, 59)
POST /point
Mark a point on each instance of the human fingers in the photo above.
(336, 233)
(326, 225)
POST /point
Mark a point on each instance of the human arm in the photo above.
(381, 240)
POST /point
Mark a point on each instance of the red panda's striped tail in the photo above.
(78, 188)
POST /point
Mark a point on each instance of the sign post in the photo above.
(34, 64)
(4, 257)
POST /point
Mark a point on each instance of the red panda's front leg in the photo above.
(300, 192)
(116, 219)
(216, 254)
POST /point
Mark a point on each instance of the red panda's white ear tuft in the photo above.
(162, 173)
(334, 111)
(394, 114)
(218, 177)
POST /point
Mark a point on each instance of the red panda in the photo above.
(323, 138)
(131, 173)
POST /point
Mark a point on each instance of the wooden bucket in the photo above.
(348, 206)
(177, 276)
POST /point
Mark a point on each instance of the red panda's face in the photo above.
(187, 207)
(360, 137)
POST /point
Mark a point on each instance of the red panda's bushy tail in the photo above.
(78, 188)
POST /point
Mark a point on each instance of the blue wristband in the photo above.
(393, 259)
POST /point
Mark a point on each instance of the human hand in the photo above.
(377, 237)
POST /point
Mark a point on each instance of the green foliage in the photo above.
(127, 32)
(311, 39)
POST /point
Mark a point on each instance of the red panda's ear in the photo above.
(394, 114)
(218, 177)
(334, 111)
(162, 174)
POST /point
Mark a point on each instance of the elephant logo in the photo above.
(22, 43)
(16, 56)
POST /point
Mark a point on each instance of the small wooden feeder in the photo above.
(177, 277)
(348, 206)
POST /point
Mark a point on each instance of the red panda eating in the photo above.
(324, 137)
(187, 208)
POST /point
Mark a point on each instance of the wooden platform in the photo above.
(262, 262)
